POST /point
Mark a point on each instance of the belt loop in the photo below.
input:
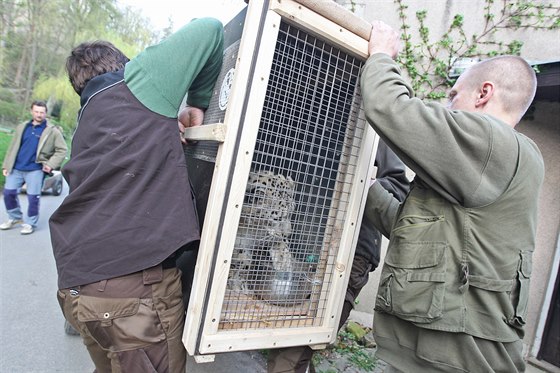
(152, 275)
(102, 285)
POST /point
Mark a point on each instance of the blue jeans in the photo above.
(34, 183)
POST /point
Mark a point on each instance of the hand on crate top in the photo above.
(383, 39)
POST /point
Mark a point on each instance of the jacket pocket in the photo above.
(412, 284)
(120, 323)
(520, 293)
(416, 221)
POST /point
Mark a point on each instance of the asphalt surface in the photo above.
(32, 336)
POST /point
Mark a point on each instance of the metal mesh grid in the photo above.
(297, 193)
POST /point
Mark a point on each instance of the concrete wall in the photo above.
(538, 46)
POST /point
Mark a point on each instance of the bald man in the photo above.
(454, 286)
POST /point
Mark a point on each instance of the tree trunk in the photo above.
(34, 21)
(6, 17)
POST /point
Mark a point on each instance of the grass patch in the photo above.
(349, 348)
(347, 344)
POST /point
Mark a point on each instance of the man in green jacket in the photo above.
(36, 149)
(454, 286)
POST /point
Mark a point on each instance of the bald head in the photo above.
(514, 80)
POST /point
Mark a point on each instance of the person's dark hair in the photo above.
(39, 103)
(90, 59)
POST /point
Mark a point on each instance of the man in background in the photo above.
(36, 149)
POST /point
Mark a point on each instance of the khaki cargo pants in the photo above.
(132, 323)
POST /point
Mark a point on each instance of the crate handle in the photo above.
(206, 132)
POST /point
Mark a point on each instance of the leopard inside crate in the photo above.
(263, 264)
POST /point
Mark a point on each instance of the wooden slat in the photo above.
(200, 359)
(349, 239)
(208, 132)
(326, 29)
(258, 339)
(339, 15)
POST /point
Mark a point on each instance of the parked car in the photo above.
(53, 184)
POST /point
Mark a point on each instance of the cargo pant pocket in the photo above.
(67, 303)
(171, 313)
(168, 298)
(118, 324)
(61, 297)
(412, 285)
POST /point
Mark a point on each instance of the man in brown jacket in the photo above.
(36, 149)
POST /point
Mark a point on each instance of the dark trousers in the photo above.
(131, 323)
(297, 359)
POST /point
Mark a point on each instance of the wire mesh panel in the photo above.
(280, 198)
(298, 188)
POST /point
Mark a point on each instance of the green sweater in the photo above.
(459, 259)
(162, 89)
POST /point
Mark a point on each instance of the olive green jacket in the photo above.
(51, 149)
(459, 258)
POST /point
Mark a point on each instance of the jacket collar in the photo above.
(98, 83)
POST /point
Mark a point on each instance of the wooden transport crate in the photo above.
(280, 171)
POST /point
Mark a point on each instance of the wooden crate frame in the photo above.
(202, 337)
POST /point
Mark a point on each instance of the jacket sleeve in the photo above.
(391, 172)
(466, 157)
(13, 148)
(392, 187)
(189, 60)
(381, 208)
(391, 175)
(60, 150)
(9, 158)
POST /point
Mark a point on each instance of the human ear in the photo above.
(485, 93)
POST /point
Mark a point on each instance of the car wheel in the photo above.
(57, 188)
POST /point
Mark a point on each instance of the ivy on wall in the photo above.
(433, 65)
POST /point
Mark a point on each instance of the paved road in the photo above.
(32, 337)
